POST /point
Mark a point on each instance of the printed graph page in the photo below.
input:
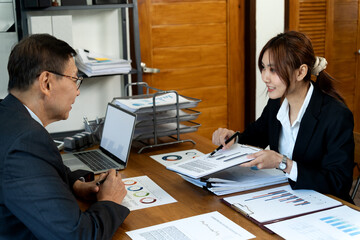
(280, 202)
(213, 225)
(333, 224)
(142, 192)
(223, 159)
(168, 159)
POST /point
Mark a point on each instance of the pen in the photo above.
(100, 182)
(226, 142)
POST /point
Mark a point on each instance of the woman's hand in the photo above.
(221, 135)
(266, 159)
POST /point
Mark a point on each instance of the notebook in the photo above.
(115, 144)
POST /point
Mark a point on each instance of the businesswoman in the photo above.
(306, 124)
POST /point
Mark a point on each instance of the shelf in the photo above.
(84, 7)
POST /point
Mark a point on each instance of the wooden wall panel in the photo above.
(312, 21)
(210, 96)
(185, 35)
(189, 13)
(191, 77)
(193, 56)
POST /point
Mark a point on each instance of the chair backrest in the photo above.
(357, 155)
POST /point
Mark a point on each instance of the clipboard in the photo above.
(252, 205)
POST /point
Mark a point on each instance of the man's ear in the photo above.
(45, 82)
(302, 71)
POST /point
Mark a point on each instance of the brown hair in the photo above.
(289, 51)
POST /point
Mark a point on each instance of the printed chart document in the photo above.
(279, 203)
(223, 159)
(213, 225)
(142, 192)
(237, 179)
(336, 223)
(168, 159)
(146, 104)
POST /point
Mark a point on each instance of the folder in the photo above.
(278, 204)
(223, 159)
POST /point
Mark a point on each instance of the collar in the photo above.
(283, 113)
(33, 115)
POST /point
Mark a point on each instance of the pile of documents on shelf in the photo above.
(93, 64)
(145, 104)
(169, 108)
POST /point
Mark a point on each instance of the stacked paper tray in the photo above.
(147, 119)
(145, 103)
(166, 129)
(158, 114)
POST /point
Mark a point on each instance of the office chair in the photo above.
(357, 163)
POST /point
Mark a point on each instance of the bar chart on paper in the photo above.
(341, 224)
(282, 196)
(336, 223)
(281, 202)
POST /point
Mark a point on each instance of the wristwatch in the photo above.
(283, 163)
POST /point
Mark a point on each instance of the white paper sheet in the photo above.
(142, 192)
(171, 158)
(223, 159)
(337, 223)
(211, 225)
(280, 202)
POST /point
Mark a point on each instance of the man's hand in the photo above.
(88, 190)
(112, 189)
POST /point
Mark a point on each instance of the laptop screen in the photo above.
(118, 132)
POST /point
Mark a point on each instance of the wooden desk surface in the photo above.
(191, 200)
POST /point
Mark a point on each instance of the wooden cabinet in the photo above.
(333, 26)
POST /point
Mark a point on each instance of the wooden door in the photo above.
(198, 46)
(333, 26)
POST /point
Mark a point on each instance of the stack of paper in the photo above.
(237, 179)
(281, 203)
(145, 104)
(93, 64)
(221, 160)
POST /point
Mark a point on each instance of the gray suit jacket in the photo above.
(36, 198)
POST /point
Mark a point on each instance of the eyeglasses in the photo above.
(77, 80)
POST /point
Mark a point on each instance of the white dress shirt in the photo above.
(288, 133)
(34, 116)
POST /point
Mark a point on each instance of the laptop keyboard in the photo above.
(95, 161)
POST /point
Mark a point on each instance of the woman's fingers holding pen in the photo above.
(221, 135)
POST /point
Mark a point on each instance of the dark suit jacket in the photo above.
(36, 199)
(324, 148)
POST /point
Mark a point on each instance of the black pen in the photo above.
(226, 142)
(100, 182)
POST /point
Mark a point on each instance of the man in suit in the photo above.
(37, 191)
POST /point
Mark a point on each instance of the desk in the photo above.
(191, 200)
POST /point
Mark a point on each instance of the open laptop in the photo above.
(114, 147)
